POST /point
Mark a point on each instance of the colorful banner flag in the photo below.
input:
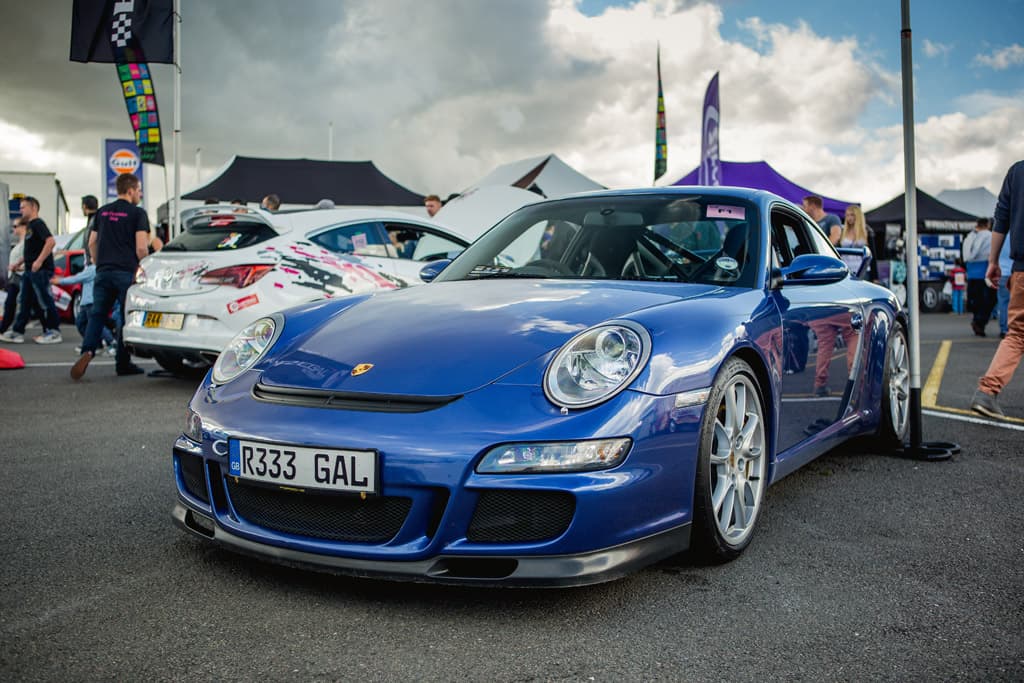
(129, 33)
(660, 141)
(710, 172)
(140, 98)
(122, 31)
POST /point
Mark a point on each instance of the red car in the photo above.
(69, 261)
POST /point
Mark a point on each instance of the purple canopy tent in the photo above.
(760, 176)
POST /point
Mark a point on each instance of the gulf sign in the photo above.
(119, 157)
(123, 161)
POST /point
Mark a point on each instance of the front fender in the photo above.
(691, 339)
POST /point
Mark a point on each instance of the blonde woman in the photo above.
(853, 234)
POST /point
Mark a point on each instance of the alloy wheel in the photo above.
(738, 461)
(899, 383)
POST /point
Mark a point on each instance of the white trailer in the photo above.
(53, 207)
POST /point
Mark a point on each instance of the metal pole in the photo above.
(176, 212)
(199, 163)
(910, 211)
(934, 450)
(330, 140)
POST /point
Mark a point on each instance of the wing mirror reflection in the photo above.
(433, 269)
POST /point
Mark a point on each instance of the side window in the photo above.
(785, 238)
(405, 240)
(362, 239)
(77, 263)
(821, 243)
(60, 261)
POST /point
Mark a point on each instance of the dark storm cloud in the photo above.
(265, 78)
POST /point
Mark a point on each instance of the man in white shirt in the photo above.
(981, 298)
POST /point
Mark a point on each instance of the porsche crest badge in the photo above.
(361, 369)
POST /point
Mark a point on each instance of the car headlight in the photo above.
(246, 348)
(193, 425)
(597, 364)
(569, 456)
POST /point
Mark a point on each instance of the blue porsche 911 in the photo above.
(596, 383)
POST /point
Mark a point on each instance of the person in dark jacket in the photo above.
(1009, 224)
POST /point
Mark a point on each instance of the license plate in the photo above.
(304, 467)
(167, 321)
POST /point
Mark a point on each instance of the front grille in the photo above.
(327, 516)
(516, 516)
(349, 400)
(192, 475)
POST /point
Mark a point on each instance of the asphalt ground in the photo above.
(865, 566)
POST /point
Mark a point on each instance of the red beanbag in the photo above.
(9, 360)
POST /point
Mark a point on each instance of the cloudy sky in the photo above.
(438, 93)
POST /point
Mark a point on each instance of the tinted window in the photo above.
(211, 237)
(362, 239)
(661, 238)
(77, 263)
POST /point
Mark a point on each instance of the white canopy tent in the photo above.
(977, 201)
(545, 175)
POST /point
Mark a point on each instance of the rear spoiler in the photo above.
(223, 215)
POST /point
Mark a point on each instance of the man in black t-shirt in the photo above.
(39, 245)
(118, 240)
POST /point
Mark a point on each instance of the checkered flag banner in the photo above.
(122, 31)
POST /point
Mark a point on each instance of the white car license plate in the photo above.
(304, 467)
(167, 321)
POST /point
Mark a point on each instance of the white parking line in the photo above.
(93, 364)
(973, 420)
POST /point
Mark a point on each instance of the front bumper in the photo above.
(528, 570)
(435, 517)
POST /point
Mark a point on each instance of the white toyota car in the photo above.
(231, 266)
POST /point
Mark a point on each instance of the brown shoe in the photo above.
(78, 369)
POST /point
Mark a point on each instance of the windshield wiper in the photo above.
(174, 247)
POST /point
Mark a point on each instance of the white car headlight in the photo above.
(597, 364)
(564, 456)
(246, 348)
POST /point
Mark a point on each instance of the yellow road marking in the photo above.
(1003, 421)
(930, 393)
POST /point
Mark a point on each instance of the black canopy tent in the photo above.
(888, 222)
(306, 181)
(932, 215)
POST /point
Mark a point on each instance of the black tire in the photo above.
(179, 366)
(931, 298)
(894, 422)
(723, 525)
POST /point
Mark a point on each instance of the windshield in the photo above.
(659, 238)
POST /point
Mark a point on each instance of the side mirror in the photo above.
(814, 269)
(433, 269)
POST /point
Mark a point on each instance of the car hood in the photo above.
(450, 338)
